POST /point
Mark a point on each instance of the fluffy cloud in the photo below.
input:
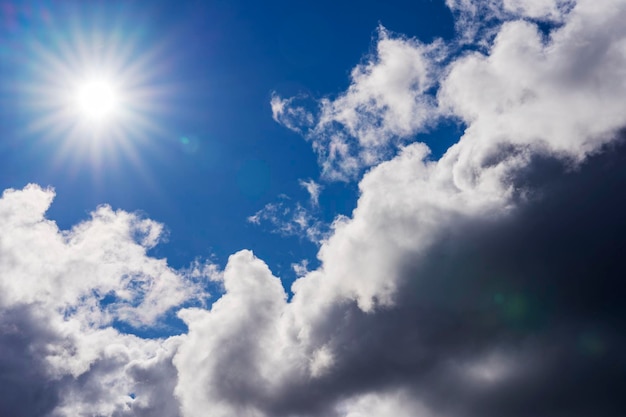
(523, 75)
(438, 254)
(385, 103)
(62, 290)
(515, 313)
(72, 271)
(562, 92)
(485, 283)
(225, 364)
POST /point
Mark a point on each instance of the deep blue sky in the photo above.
(220, 62)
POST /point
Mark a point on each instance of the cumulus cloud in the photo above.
(496, 315)
(62, 291)
(522, 75)
(236, 339)
(432, 256)
(534, 91)
(485, 283)
(73, 271)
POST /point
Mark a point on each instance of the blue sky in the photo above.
(287, 209)
(220, 63)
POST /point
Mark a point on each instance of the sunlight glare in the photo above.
(99, 91)
(97, 99)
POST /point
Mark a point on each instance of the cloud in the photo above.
(127, 376)
(235, 337)
(62, 291)
(399, 403)
(385, 103)
(452, 273)
(292, 219)
(539, 9)
(301, 268)
(289, 113)
(538, 86)
(477, 22)
(554, 10)
(514, 314)
(24, 376)
(562, 92)
(484, 283)
(75, 270)
(314, 189)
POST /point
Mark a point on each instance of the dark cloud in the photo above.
(541, 288)
(154, 384)
(26, 390)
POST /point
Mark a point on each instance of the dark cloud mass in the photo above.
(26, 388)
(539, 291)
(487, 283)
(519, 315)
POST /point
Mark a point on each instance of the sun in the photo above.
(98, 94)
(97, 99)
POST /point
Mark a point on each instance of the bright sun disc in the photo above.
(97, 99)
(96, 90)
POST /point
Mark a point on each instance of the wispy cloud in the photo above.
(385, 104)
(286, 112)
(314, 189)
(291, 219)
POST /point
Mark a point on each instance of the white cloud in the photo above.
(314, 189)
(524, 89)
(286, 112)
(386, 97)
(539, 9)
(225, 363)
(61, 279)
(291, 220)
(127, 376)
(561, 95)
(301, 268)
(478, 21)
(385, 103)
(73, 270)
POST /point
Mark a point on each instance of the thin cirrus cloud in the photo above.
(288, 218)
(314, 189)
(485, 283)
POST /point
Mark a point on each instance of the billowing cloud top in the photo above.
(484, 283)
